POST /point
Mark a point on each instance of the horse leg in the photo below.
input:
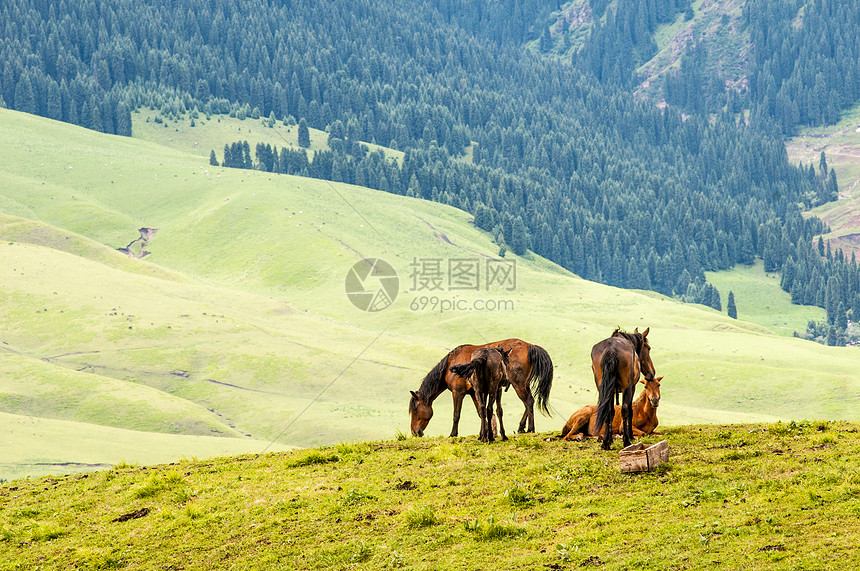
(458, 405)
(488, 412)
(607, 435)
(530, 410)
(627, 415)
(499, 414)
(525, 395)
(486, 433)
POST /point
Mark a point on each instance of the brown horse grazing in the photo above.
(583, 423)
(616, 363)
(488, 374)
(529, 372)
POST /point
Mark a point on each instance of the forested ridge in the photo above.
(564, 160)
(803, 68)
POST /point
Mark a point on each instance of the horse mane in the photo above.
(505, 354)
(433, 381)
(634, 338)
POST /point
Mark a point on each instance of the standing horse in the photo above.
(529, 372)
(488, 374)
(617, 363)
(583, 423)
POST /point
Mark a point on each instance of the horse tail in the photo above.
(465, 370)
(608, 384)
(540, 379)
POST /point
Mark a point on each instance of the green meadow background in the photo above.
(235, 333)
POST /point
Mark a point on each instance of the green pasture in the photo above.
(208, 134)
(240, 314)
(32, 446)
(759, 299)
(750, 496)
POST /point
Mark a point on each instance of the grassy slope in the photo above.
(212, 134)
(36, 446)
(759, 299)
(841, 145)
(731, 497)
(240, 308)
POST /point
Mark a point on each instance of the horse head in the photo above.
(652, 390)
(505, 354)
(644, 351)
(420, 413)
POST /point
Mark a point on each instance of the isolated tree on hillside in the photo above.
(304, 134)
(213, 160)
(730, 306)
(831, 187)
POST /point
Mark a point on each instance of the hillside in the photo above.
(770, 496)
(841, 146)
(237, 320)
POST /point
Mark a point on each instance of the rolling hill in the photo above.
(236, 328)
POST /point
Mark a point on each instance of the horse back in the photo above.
(518, 360)
(628, 361)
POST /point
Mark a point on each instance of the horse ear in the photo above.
(645, 333)
(658, 379)
(643, 380)
(636, 330)
(414, 394)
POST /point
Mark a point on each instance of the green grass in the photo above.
(239, 321)
(759, 299)
(212, 134)
(764, 496)
(33, 446)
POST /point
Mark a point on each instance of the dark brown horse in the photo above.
(488, 374)
(583, 423)
(529, 372)
(617, 363)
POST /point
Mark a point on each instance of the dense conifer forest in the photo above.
(565, 161)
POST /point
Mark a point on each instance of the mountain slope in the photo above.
(240, 309)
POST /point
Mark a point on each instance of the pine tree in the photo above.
(25, 99)
(831, 187)
(730, 306)
(304, 134)
(213, 160)
(123, 120)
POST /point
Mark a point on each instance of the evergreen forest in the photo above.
(553, 155)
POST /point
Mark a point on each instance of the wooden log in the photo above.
(637, 458)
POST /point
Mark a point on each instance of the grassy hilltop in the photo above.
(779, 496)
(238, 319)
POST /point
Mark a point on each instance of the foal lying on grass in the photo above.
(583, 423)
